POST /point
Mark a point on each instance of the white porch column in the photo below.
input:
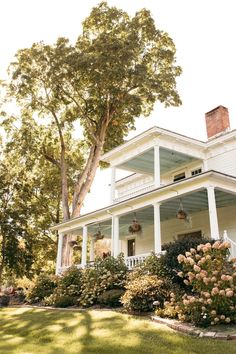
(59, 252)
(84, 246)
(205, 165)
(113, 181)
(157, 175)
(157, 228)
(91, 256)
(213, 212)
(115, 236)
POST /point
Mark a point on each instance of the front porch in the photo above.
(210, 210)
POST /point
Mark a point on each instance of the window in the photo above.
(196, 172)
(194, 234)
(179, 176)
(131, 247)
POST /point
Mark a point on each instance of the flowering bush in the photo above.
(108, 273)
(213, 280)
(169, 260)
(68, 289)
(143, 290)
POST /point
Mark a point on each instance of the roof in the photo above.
(157, 131)
(109, 208)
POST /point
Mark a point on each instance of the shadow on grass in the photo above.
(56, 332)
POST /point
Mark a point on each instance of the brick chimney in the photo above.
(217, 121)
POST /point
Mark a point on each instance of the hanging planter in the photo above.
(75, 246)
(98, 235)
(135, 226)
(181, 213)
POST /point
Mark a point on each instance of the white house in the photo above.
(169, 172)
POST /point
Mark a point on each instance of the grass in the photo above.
(36, 331)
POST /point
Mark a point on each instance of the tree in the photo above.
(30, 194)
(118, 68)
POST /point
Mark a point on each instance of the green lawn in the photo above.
(35, 331)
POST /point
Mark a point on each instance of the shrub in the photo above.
(68, 289)
(109, 273)
(142, 291)
(59, 299)
(173, 249)
(111, 297)
(155, 265)
(213, 280)
(43, 287)
(4, 300)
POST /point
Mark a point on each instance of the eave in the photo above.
(156, 195)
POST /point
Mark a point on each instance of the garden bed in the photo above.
(224, 332)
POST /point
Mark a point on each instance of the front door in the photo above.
(131, 247)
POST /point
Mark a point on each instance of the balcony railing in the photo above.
(133, 261)
(232, 243)
(133, 191)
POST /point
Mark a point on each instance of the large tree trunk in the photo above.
(84, 184)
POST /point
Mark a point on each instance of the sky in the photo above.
(202, 30)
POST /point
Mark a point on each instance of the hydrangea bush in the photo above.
(212, 277)
(143, 289)
(109, 273)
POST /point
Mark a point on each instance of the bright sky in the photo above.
(204, 35)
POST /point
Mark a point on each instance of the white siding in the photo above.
(224, 162)
(171, 228)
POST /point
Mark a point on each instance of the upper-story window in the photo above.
(179, 176)
(196, 172)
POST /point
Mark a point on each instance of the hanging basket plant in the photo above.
(181, 213)
(135, 226)
(98, 236)
(75, 246)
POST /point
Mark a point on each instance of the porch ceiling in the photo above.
(192, 203)
(169, 160)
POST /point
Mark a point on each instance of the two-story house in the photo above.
(177, 187)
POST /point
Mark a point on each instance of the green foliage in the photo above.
(213, 279)
(4, 300)
(111, 298)
(169, 260)
(143, 290)
(118, 68)
(68, 289)
(44, 286)
(108, 273)
(155, 265)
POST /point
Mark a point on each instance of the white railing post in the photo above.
(133, 261)
(213, 213)
(232, 244)
(59, 253)
(84, 247)
(115, 236)
(157, 228)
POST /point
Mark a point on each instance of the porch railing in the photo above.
(133, 191)
(133, 261)
(233, 245)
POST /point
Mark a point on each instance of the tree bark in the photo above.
(84, 184)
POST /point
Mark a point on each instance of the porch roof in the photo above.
(191, 188)
(169, 160)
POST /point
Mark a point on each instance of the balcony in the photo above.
(134, 186)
